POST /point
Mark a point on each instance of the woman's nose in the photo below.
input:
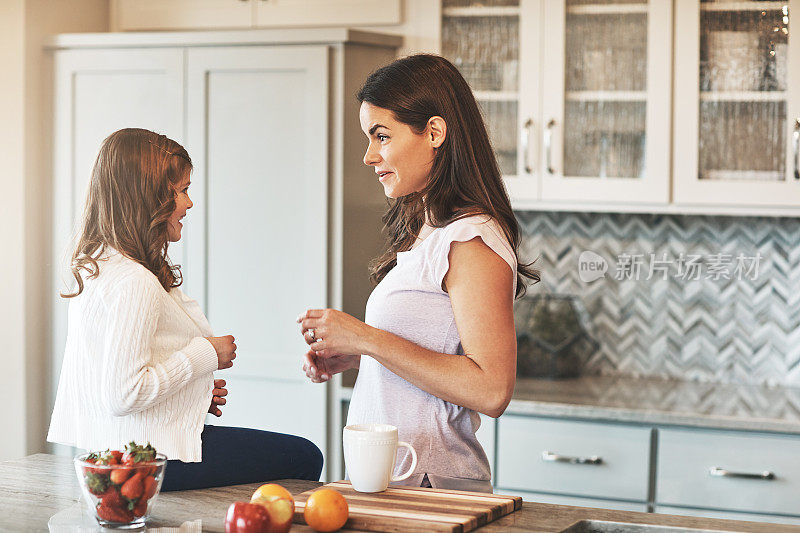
(371, 157)
(190, 204)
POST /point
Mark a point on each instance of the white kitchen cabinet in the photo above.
(256, 120)
(286, 216)
(325, 12)
(576, 95)
(137, 15)
(736, 103)
(605, 101)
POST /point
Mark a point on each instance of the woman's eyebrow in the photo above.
(375, 127)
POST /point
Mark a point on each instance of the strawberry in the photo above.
(119, 475)
(133, 488)
(136, 453)
(114, 514)
(113, 499)
(109, 457)
(140, 508)
(149, 486)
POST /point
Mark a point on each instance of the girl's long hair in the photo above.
(465, 179)
(131, 196)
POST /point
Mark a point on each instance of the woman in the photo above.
(140, 355)
(438, 345)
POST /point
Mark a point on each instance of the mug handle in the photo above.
(413, 462)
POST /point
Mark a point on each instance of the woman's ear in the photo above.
(437, 131)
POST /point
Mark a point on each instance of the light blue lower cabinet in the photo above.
(728, 515)
(745, 472)
(575, 501)
(576, 458)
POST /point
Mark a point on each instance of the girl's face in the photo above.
(402, 158)
(182, 204)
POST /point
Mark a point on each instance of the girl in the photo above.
(438, 345)
(140, 355)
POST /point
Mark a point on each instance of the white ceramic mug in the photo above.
(370, 452)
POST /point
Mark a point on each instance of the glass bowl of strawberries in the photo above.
(120, 487)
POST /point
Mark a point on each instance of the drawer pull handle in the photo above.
(593, 460)
(721, 472)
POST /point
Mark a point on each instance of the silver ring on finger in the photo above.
(311, 331)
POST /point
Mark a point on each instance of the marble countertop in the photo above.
(41, 493)
(657, 401)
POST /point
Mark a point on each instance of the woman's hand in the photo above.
(320, 370)
(218, 397)
(226, 350)
(329, 332)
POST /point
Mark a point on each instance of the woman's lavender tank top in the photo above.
(410, 303)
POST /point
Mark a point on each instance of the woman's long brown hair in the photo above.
(465, 178)
(131, 197)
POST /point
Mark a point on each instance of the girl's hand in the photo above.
(218, 397)
(320, 370)
(226, 350)
(334, 332)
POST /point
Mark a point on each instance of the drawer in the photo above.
(622, 472)
(686, 457)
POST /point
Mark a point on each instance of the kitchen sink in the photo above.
(599, 526)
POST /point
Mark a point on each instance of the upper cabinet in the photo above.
(591, 105)
(606, 91)
(737, 119)
(576, 95)
(132, 15)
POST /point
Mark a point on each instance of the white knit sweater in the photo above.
(136, 365)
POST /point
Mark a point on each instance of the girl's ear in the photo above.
(437, 131)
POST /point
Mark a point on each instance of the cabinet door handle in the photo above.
(721, 472)
(796, 143)
(554, 457)
(526, 145)
(548, 145)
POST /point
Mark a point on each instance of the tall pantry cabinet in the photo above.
(286, 216)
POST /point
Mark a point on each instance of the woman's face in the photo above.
(182, 204)
(402, 158)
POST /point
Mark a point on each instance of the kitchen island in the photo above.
(41, 493)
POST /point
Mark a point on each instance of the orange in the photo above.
(326, 510)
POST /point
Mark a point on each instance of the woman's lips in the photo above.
(384, 176)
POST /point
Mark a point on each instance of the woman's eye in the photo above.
(382, 137)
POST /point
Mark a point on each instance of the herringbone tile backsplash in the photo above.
(721, 303)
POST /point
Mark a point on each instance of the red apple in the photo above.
(245, 517)
(280, 510)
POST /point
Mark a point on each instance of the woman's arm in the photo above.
(480, 284)
(132, 381)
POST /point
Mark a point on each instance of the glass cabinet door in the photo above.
(736, 121)
(606, 97)
(484, 39)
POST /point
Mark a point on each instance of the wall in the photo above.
(707, 322)
(12, 202)
(25, 205)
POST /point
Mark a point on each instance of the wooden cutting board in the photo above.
(416, 509)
